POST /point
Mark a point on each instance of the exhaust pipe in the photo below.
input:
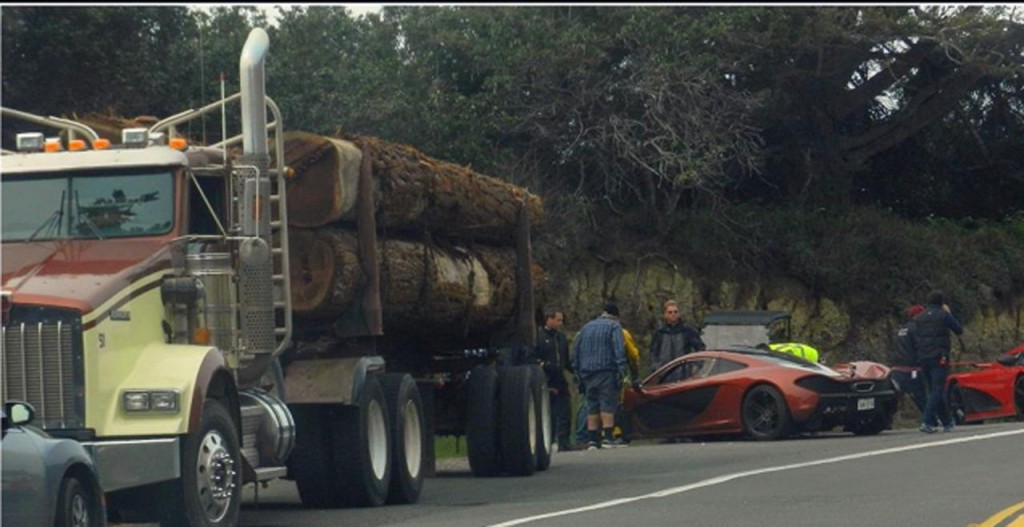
(253, 86)
(255, 266)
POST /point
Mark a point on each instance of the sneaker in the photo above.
(926, 429)
(948, 428)
(591, 445)
(614, 443)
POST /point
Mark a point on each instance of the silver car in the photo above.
(46, 481)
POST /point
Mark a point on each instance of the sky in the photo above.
(355, 9)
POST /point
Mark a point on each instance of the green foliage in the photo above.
(872, 261)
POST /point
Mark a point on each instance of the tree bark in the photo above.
(413, 192)
(426, 288)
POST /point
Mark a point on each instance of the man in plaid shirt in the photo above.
(599, 359)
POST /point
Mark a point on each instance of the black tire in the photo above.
(76, 505)
(765, 414)
(542, 400)
(1018, 396)
(408, 443)
(361, 446)
(955, 403)
(518, 421)
(482, 421)
(875, 426)
(311, 464)
(211, 463)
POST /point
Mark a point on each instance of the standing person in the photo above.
(931, 339)
(622, 426)
(673, 338)
(553, 353)
(906, 373)
(599, 359)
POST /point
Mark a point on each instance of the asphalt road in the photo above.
(900, 478)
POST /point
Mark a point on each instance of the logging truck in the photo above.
(160, 307)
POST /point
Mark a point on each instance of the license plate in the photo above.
(866, 404)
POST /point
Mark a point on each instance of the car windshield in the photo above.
(87, 205)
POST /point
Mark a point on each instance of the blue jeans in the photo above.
(912, 384)
(935, 373)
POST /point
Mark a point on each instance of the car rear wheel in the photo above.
(765, 415)
(955, 401)
(77, 508)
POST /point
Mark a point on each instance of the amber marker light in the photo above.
(52, 145)
(75, 145)
(178, 143)
(101, 144)
(201, 336)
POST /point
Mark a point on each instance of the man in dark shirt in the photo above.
(906, 373)
(931, 340)
(673, 338)
(553, 353)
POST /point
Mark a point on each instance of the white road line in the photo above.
(729, 477)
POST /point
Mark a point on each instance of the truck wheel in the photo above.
(361, 448)
(310, 464)
(482, 421)
(209, 491)
(405, 415)
(542, 400)
(518, 421)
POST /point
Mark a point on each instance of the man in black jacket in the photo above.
(931, 339)
(553, 353)
(906, 373)
(672, 339)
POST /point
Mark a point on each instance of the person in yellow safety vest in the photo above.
(622, 429)
(795, 348)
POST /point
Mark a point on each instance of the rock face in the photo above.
(818, 320)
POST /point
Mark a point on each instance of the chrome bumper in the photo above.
(135, 462)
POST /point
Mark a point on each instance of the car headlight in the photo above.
(150, 401)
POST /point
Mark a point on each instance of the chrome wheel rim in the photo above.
(413, 439)
(79, 510)
(215, 476)
(377, 439)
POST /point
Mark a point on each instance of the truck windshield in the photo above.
(94, 205)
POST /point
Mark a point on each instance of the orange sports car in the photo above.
(763, 394)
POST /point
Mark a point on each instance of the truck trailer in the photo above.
(147, 313)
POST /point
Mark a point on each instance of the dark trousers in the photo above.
(912, 384)
(935, 372)
(561, 418)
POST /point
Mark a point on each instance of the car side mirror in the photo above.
(19, 413)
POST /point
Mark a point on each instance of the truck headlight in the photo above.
(150, 401)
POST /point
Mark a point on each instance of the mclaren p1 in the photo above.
(763, 394)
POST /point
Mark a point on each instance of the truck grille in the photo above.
(42, 365)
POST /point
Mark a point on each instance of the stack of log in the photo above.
(447, 245)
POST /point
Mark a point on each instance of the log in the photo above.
(426, 289)
(109, 127)
(414, 192)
